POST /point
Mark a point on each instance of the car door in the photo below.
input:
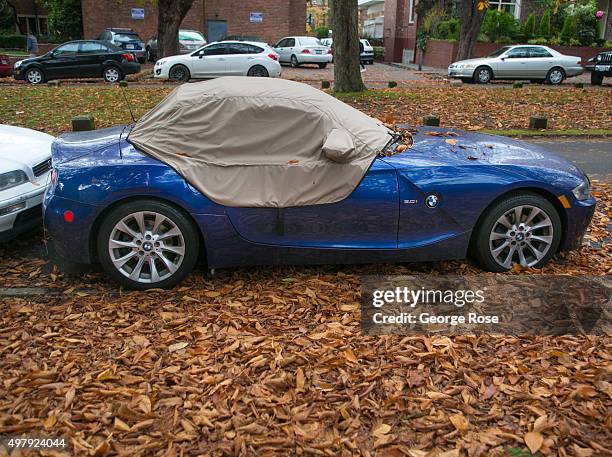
(513, 64)
(240, 58)
(540, 61)
(89, 59)
(279, 48)
(210, 61)
(366, 219)
(63, 62)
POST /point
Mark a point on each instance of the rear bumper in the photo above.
(314, 58)
(574, 71)
(129, 68)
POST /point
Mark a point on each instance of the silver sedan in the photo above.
(535, 63)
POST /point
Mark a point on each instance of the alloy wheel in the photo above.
(34, 76)
(111, 75)
(522, 234)
(258, 71)
(146, 247)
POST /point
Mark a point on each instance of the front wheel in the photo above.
(145, 244)
(596, 79)
(111, 74)
(258, 71)
(555, 76)
(524, 229)
(179, 73)
(294, 62)
(483, 75)
(35, 76)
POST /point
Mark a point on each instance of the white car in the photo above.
(298, 50)
(25, 164)
(226, 58)
(366, 57)
(535, 63)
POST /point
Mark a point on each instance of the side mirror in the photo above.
(338, 146)
(503, 59)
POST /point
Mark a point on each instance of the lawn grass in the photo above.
(13, 52)
(549, 133)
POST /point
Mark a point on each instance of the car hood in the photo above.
(21, 147)
(478, 61)
(71, 146)
(457, 147)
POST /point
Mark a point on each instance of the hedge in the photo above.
(12, 41)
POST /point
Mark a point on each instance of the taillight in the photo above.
(305, 51)
(53, 177)
(273, 56)
(129, 57)
(329, 51)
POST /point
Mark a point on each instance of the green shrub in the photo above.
(482, 38)
(568, 30)
(12, 41)
(504, 40)
(447, 30)
(379, 52)
(500, 24)
(529, 29)
(392, 84)
(322, 32)
(545, 28)
(538, 41)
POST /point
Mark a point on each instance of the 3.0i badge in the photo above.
(432, 201)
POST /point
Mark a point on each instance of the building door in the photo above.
(216, 30)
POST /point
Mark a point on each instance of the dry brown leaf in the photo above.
(459, 421)
(534, 441)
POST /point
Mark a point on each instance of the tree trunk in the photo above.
(471, 20)
(347, 73)
(170, 14)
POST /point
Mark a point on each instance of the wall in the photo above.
(440, 54)
(399, 34)
(100, 14)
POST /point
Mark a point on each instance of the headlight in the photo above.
(160, 62)
(583, 191)
(467, 66)
(12, 179)
(17, 64)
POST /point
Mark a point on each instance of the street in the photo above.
(594, 157)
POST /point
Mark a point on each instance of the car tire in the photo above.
(371, 62)
(322, 65)
(294, 61)
(35, 76)
(168, 260)
(258, 71)
(499, 241)
(483, 75)
(596, 79)
(555, 76)
(179, 73)
(112, 74)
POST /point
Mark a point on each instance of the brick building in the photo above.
(269, 19)
(32, 17)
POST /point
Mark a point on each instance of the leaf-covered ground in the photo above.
(272, 361)
(51, 109)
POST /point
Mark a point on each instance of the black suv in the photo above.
(600, 66)
(78, 59)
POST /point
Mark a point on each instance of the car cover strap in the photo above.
(280, 221)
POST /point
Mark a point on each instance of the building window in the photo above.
(510, 6)
(410, 11)
(36, 25)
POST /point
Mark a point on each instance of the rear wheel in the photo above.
(596, 79)
(524, 229)
(294, 62)
(483, 75)
(179, 73)
(258, 71)
(35, 76)
(146, 243)
(555, 76)
(111, 74)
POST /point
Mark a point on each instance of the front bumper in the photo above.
(26, 216)
(605, 69)
(579, 217)
(18, 73)
(461, 72)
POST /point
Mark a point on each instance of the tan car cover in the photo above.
(261, 142)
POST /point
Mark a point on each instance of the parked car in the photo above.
(6, 68)
(224, 169)
(251, 38)
(535, 63)
(189, 41)
(126, 39)
(299, 50)
(327, 42)
(25, 164)
(221, 59)
(78, 59)
(600, 66)
(367, 56)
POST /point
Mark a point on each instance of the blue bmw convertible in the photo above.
(238, 171)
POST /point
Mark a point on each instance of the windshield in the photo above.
(310, 41)
(190, 35)
(123, 37)
(499, 52)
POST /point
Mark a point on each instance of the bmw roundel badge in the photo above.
(432, 201)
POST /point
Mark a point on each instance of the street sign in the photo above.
(256, 17)
(137, 13)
